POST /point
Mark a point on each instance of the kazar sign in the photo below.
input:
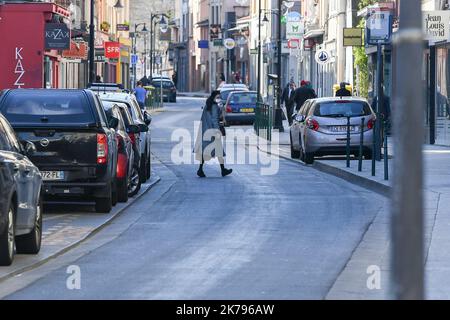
(57, 36)
(436, 25)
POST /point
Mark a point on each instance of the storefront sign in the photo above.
(379, 26)
(294, 26)
(203, 44)
(436, 25)
(57, 36)
(218, 43)
(112, 50)
(123, 27)
(322, 57)
(78, 50)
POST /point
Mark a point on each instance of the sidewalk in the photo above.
(197, 94)
(374, 248)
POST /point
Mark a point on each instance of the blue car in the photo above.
(240, 107)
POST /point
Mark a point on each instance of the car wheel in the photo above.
(122, 189)
(104, 205)
(294, 153)
(135, 183)
(309, 157)
(367, 155)
(7, 239)
(31, 243)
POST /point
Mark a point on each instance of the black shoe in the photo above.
(201, 174)
(226, 172)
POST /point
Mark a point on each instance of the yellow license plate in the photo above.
(247, 110)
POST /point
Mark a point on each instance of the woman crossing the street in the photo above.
(209, 140)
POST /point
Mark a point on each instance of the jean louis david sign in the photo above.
(436, 25)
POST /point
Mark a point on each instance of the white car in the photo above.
(142, 119)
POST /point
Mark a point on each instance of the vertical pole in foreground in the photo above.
(92, 44)
(259, 53)
(407, 254)
(379, 106)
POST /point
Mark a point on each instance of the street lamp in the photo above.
(144, 30)
(118, 5)
(163, 26)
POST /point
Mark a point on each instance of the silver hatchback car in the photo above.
(320, 128)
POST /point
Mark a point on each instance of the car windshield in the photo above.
(243, 97)
(52, 106)
(342, 109)
(225, 93)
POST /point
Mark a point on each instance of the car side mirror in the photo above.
(113, 123)
(29, 148)
(133, 129)
(143, 128)
(147, 118)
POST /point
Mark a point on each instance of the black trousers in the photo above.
(289, 111)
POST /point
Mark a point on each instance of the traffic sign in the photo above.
(134, 59)
(229, 43)
(379, 26)
(322, 57)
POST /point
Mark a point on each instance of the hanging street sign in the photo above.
(294, 26)
(379, 26)
(436, 25)
(353, 37)
(322, 57)
(229, 43)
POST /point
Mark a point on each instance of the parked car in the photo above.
(240, 107)
(20, 197)
(102, 87)
(227, 89)
(76, 148)
(169, 89)
(320, 128)
(143, 120)
(127, 176)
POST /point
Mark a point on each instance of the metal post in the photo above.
(161, 94)
(373, 150)
(361, 143)
(145, 55)
(407, 254)
(385, 156)
(278, 125)
(259, 53)
(151, 45)
(92, 45)
(379, 105)
(347, 147)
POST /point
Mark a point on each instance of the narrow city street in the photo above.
(246, 236)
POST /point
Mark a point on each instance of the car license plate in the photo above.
(52, 175)
(342, 128)
(247, 110)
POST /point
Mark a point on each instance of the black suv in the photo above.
(76, 148)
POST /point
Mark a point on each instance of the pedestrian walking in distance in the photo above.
(209, 140)
(287, 95)
(343, 92)
(141, 94)
(302, 94)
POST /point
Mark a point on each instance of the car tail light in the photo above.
(370, 124)
(132, 138)
(121, 165)
(312, 124)
(229, 108)
(102, 148)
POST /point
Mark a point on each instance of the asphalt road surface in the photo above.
(246, 236)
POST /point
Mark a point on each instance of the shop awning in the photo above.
(203, 23)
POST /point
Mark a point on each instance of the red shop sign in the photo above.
(112, 50)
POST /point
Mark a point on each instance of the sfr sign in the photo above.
(112, 50)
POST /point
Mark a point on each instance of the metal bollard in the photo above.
(348, 143)
(361, 143)
(386, 156)
(373, 150)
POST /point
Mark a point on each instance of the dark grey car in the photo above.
(20, 197)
